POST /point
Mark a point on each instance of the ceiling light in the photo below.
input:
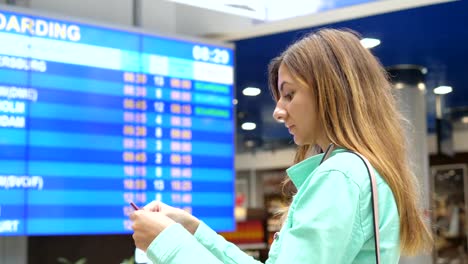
(443, 90)
(250, 143)
(234, 101)
(421, 86)
(399, 85)
(251, 91)
(248, 126)
(369, 43)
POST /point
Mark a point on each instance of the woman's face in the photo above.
(296, 109)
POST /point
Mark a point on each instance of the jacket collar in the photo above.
(299, 172)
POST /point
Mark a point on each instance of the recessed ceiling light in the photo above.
(443, 90)
(234, 101)
(369, 43)
(250, 143)
(251, 91)
(421, 86)
(399, 85)
(248, 126)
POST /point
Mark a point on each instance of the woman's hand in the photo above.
(180, 216)
(147, 226)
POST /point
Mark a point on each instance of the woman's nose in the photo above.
(279, 114)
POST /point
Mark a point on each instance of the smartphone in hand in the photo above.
(134, 206)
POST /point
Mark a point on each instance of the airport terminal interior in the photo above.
(108, 102)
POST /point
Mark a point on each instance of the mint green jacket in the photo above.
(329, 221)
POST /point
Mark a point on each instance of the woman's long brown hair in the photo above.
(357, 110)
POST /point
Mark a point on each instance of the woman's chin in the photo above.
(297, 141)
(300, 141)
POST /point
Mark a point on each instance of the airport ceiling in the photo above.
(435, 37)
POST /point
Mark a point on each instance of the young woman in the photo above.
(332, 94)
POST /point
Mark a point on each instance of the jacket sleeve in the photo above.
(225, 251)
(175, 245)
(323, 221)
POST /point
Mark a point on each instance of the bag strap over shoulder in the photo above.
(375, 209)
(374, 197)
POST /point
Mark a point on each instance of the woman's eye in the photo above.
(288, 96)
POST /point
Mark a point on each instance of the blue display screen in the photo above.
(92, 118)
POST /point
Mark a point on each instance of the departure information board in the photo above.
(94, 117)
